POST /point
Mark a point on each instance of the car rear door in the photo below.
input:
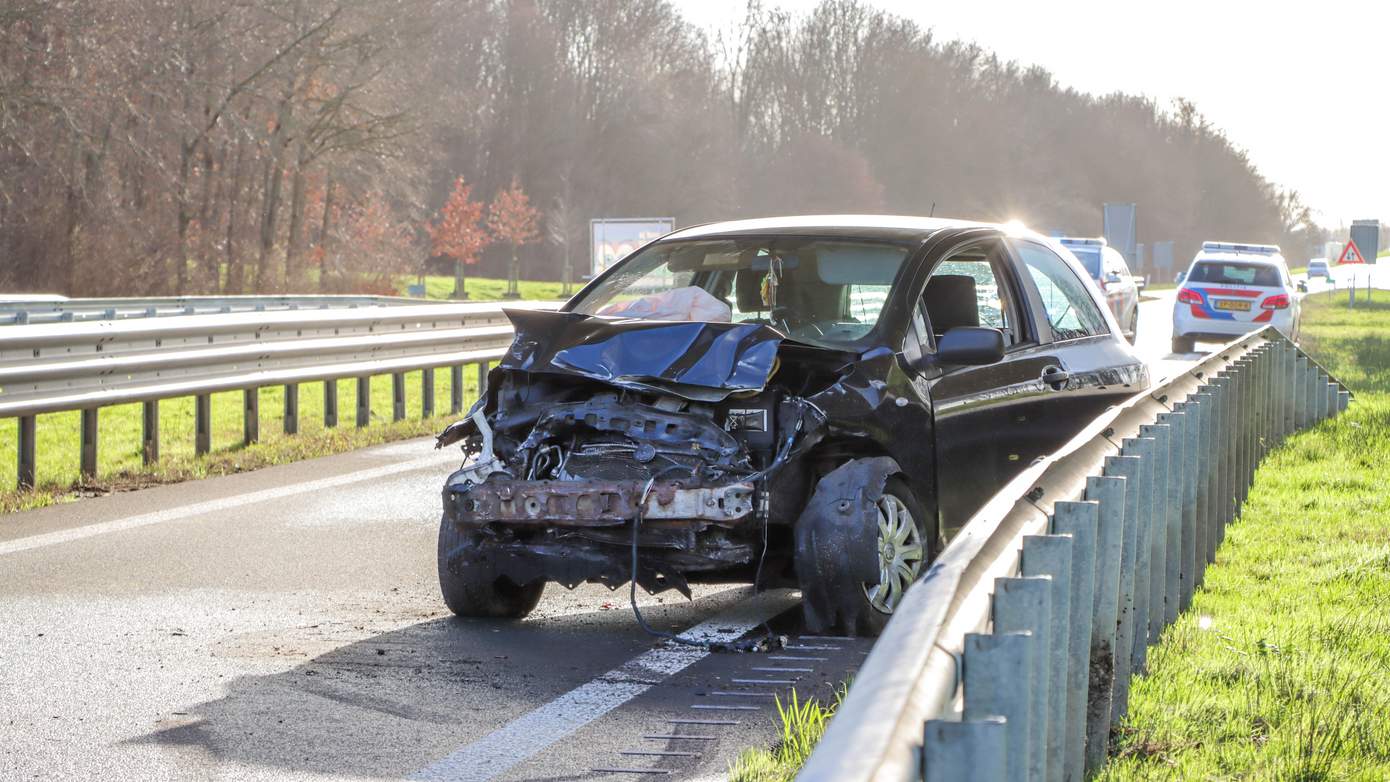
(1095, 366)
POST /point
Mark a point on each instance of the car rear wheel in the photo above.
(1184, 344)
(475, 590)
(1133, 333)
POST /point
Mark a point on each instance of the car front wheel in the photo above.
(902, 550)
(1184, 344)
(473, 589)
(857, 561)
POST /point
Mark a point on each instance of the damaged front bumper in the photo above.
(599, 503)
(572, 532)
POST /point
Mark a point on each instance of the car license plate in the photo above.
(1232, 304)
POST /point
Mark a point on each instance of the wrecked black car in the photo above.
(810, 402)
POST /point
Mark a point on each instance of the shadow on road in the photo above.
(393, 703)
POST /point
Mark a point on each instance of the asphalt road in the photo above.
(285, 624)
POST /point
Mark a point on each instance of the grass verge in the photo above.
(120, 467)
(800, 727)
(1281, 668)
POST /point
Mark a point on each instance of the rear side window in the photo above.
(1236, 273)
(1071, 312)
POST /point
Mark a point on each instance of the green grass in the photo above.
(120, 466)
(800, 725)
(1281, 668)
(482, 288)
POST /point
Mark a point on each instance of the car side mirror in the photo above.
(970, 346)
(1113, 277)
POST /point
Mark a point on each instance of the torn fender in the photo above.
(837, 541)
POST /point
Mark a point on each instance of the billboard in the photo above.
(611, 240)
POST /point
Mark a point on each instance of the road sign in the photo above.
(1351, 254)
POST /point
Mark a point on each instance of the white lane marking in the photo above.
(213, 506)
(523, 737)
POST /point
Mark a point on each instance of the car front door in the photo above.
(986, 417)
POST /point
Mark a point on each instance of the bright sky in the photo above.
(1300, 87)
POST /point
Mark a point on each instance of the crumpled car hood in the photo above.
(700, 361)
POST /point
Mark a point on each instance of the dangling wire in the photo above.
(768, 643)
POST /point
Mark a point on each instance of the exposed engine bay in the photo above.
(558, 465)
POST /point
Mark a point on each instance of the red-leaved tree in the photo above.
(513, 220)
(459, 233)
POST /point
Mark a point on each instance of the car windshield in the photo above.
(823, 291)
(1089, 257)
(1235, 273)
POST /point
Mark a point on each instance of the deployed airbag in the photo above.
(690, 303)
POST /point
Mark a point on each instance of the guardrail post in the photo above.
(1174, 490)
(330, 403)
(427, 393)
(1159, 527)
(202, 424)
(364, 400)
(1185, 460)
(1320, 383)
(1142, 447)
(1223, 478)
(1333, 390)
(972, 751)
(482, 378)
(1109, 495)
(1050, 555)
(149, 432)
(88, 468)
(1205, 405)
(995, 680)
(1125, 468)
(1024, 604)
(1240, 387)
(292, 408)
(456, 389)
(1303, 411)
(251, 416)
(1272, 390)
(1288, 379)
(26, 451)
(398, 396)
(1078, 520)
(1343, 400)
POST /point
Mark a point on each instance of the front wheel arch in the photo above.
(837, 544)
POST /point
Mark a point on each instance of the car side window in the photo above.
(969, 289)
(1071, 311)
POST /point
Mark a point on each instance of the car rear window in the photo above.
(1235, 273)
(1090, 259)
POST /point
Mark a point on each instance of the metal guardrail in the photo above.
(21, 310)
(1011, 658)
(85, 366)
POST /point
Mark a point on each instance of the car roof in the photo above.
(883, 227)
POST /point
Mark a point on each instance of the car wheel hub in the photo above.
(899, 554)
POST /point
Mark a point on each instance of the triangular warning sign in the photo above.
(1351, 254)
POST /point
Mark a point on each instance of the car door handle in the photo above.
(1056, 377)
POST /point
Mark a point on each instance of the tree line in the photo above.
(230, 146)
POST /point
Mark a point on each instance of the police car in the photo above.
(1232, 289)
(1107, 268)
